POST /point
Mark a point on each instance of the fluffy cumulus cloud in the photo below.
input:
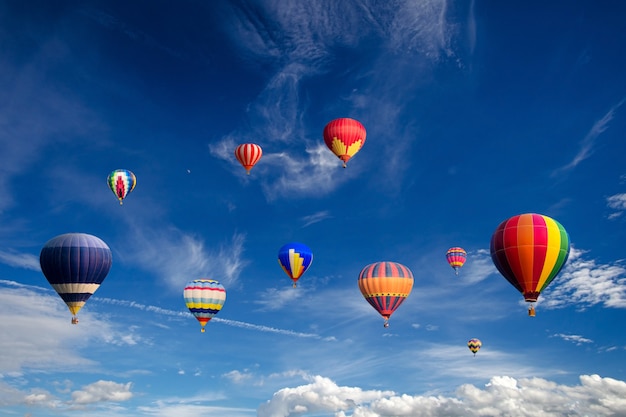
(587, 283)
(102, 391)
(502, 396)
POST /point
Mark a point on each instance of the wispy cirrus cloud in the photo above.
(586, 145)
(616, 202)
(574, 338)
(301, 41)
(20, 260)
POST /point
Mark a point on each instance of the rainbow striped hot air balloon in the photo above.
(456, 258)
(385, 285)
(344, 137)
(121, 182)
(248, 154)
(204, 299)
(75, 264)
(295, 258)
(474, 345)
(529, 250)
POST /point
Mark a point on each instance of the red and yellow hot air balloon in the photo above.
(344, 137)
(248, 154)
(385, 285)
(456, 258)
(529, 250)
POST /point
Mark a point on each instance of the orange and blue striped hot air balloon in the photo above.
(385, 285)
(344, 137)
(121, 182)
(529, 250)
(456, 258)
(474, 345)
(204, 299)
(248, 154)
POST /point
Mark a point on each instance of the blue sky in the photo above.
(475, 111)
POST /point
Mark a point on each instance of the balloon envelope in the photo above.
(75, 264)
(456, 258)
(121, 182)
(344, 137)
(385, 285)
(529, 250)
(248, 154)
(204, 299)
(474, 345)
(295, 258)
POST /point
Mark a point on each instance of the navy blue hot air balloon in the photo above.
(295, 258)
(75, 264)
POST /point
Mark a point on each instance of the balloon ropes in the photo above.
(248, 154)
(474, 345)
(456, 258)
(295, 258)
(344, 137)
(75, 264)
(204, 299)
(385, 285)
(529, 250)
(121, 182)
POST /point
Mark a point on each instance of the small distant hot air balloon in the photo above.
(474, 345)
(385, 285)
(204, 299)
(75, 264)
(121, 182)
(295, 258)
(529, 250)
(456, 258)
(248, 154)
(344, 137)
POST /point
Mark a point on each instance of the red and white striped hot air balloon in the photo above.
(248, 154)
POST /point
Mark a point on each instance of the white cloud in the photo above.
(502, 396)
(178, 257)
(102, 391)
(577, 339)
(586, 146)
(617, 202)
(585, 283)
(20, 260)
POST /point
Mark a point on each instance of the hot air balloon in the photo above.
(121, 182)
(385, 285)
(248, 154)
(456, 258)
(204, 299)
(474, 345)
(295, 258)
(344, 137)
(75, 264)
(529, 250)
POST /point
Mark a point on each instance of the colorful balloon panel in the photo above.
(385, 286)
(529, 250)
(121, 182)
(248, 154)
(75, 264)
(295, 258)
(456, 258)
(474, 345)
(204, 298)
(344, 137)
